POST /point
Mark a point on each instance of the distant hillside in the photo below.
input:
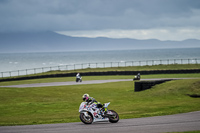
(51, 41)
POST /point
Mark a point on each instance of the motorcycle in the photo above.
(90, 114)
(79, 79)
(137, 77)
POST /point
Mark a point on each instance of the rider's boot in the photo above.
(103, 111)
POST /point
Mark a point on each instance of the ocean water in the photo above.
(22, 61)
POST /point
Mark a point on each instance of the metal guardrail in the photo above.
(99, 65)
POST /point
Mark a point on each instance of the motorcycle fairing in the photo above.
(93, 110)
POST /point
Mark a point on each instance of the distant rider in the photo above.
(78, 77)
(137, 77)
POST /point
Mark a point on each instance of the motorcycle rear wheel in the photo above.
(114, 118)
(86, 120)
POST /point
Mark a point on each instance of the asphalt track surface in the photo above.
(78, 83)
(159, 124)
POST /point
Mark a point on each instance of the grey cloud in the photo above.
(22, 15)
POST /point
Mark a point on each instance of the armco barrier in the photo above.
(104, 74)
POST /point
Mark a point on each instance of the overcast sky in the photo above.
(139, 19)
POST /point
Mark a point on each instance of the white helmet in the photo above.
(85, 97)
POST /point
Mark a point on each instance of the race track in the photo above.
(79, 83)
(170, 123)
(66, 83)
(158, 124)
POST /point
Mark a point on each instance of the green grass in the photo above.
(22, 106)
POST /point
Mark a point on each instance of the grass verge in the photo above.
(22, 106)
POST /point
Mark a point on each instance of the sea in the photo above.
(24, 61)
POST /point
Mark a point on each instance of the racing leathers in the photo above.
(91, 100)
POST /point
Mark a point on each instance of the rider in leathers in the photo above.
(91, 100)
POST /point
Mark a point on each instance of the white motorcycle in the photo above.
(79, 79)
(90, 114)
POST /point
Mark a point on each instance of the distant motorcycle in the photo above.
(90, 114)
(137, 77)
(79, 79)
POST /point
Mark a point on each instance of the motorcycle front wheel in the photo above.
(86, 119)
(114, 118)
